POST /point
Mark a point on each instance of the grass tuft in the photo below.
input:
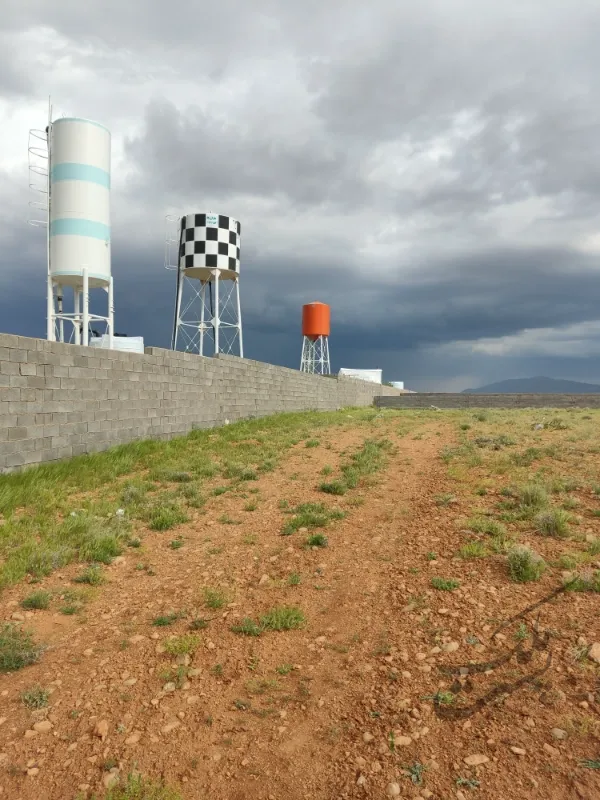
(317, 540)
(17, 648)
(247, 627)
(165, 515)
(554, 522)
(214, 598)
(445, 584)
(92, 575)
(166, 619)
(36, 697)
(473, 549)
(524, 565)
(311, 515)
(486, 525)
(182, 645)
(584, 581)
(36, 600)
(283, 618)
(334, 487)
(136, 787)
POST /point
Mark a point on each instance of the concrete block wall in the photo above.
(60, 400)
(441, 400)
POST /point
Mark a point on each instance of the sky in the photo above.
(431, 169)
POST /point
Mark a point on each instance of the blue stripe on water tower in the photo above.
(80, 227)
(80, 172)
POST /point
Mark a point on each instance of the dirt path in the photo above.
(333, 710)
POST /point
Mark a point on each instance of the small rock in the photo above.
(110, 780)
(518, 751)
(101, 729)
(376, 766)
(263, 579)
(476, 759)
(33, 772)
(368, 737)
(450, 647)
(594, 652)
(45, 726)
(193, 673)
(17, 616)
(134, 738)
(170, 727)
(460, 796)
(30, 734)
(360, 762)
(552, 751)
(169, 687)
(530, 722)
(193, 698)
(130, 682)
(558, 733)
(402, 741)
(361, 780)
(183, 660)
(89, 652)
(137, 639)
(393, 790)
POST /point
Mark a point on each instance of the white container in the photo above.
(371, 375)
(129, 344)
(397, 384)
(79, 202)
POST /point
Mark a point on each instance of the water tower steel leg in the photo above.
(111, 313)
(177, 310)
(59, 303)
(76, 315)
(50, 326)
(239, 316)
(216, 312)
(86, 308)
(202, 305)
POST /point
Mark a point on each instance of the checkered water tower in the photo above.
(69, 167)
(207, 317)
(316, 326)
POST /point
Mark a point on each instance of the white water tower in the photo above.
(77, 202)
(205, 250)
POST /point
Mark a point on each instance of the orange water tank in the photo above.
(316, 320)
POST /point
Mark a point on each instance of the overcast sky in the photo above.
(430, 168)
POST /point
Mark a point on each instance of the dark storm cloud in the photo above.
(182, 153)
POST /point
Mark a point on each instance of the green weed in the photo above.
(524, 565)
(136, 787)
(214, 598)
(247, 627)
(166, 619)
(554, 522)
(283, 618)
(445, 584)
(182, 645)
(93, 575)
(473, 549)
(36, 697)
(17, 648)
(37, 600)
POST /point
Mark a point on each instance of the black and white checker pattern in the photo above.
(209, 241)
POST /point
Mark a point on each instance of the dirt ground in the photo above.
(352, 704)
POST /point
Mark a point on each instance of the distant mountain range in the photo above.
(536, 386)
